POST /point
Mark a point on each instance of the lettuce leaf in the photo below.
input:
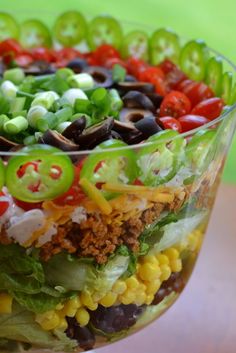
(20, 326)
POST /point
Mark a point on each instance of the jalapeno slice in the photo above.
(164, 44)
(70, 28)
(214, 72)
(2, 174)
(104, 30)
(110, 166)
(192, 60)
(199, 148)
(39, 174)
(35, 34)
(8, 27)
(226, 86)
(160, 162)
(135, 44)
(233, 95)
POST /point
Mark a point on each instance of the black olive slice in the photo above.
(155, 98)
(122, 127)
(101, 76)
(6, 145)
(77, 65)
(136, 99)
(95, 134)
(53, 138)
(143, 87)
(148, 126)
(128, 115)
(75, 129)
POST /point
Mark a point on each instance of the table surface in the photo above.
(203, 319)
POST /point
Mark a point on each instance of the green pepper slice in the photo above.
(226, 86)
(160, 162)
(2, 174)
(135, 44)
(40, 173)
(192, 60)
(110, 166)
(35, 34)
(214, 72)
(233, 95)
(198, 150)
(104, 30)
(9, 28)
(163, 44)
(70, 28)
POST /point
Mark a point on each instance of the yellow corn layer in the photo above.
(5, 303)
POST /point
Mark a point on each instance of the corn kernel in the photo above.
(165, 272)
(63, 324)
(152, 287)
(172, 253)
(48, 320)
(149, 299)
(87, 300)
(82, 317)
(132, 282)
(128, 297)
(108, 300)
(142, 287)
(150, 258)
(140, 298)
(5, 303)
(71, 306)
(149, 272)
(119, 287)
(176, 265)
(163, 259)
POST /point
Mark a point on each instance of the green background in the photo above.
(211, 20)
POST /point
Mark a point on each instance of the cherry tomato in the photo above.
(181, 86)
(112, 61)
(135, 66)
(10, 46)
(189, 122)
(210, 108)
(167, 66)
(23, 60)
(197, 92)
(105, 52)
(43, 54)
(170, 123)
(175, 104)
(4, 204)
(174, 78)
(27, 206)
(67, 54)
(160, 86)
(149, 74)
(75, 194)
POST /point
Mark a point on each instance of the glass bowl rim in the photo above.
(145, 144)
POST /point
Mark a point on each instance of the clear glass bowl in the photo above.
(145, 239)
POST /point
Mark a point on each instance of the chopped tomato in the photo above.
(174, 78)
(27, 206)
(149, 74)
(10, 46)
(210, 108)
(4, 204)
(167, 66)
(112, 61)
(43, 54)
(23, 60)
(170, 123)
(175, 104)
(189, 122)
(135, 66)
(105, 52)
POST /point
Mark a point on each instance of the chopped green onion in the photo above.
(30, 140)
(17, 104)
(16, 75)
(35, 113)
(63, 114)
(42, 124)
(83, 106)
(21, 113)
(45, 99)
(16, 125)
(116, 101)
(51, 119)
(37, 135)
(74, 93)
(3, 119)
(64, 73)
(4, 105)
(8, 89)
(118, 73)
(83, 81)
(62, 126)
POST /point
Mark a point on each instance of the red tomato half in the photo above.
(190, 122)
(175, 104)
(10, 46)
(4, 204)
(135, 66)
(210, 108)
(170, 123)
(167, 66)
(197, 92)
(105, 52)
(43, 54)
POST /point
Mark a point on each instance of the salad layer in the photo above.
(103, 202)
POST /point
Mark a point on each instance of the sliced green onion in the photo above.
(45, 99)
(42, 124)
(38, 135)
(116, 102)
(8, 89)
(74, 93)
(3, 119)
(17, 104)
(83, 106)
(51, 119)
(34, 114)
(64, 114)
(30, 140)
(62, 126)
(118, 73)
(64, 73)
(16, 125)
(16, 75)
(20, 113)
(83, 81)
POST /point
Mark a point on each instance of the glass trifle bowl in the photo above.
(110, 163)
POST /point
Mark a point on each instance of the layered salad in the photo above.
(108, 170)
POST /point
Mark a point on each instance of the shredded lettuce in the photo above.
(20, 326)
